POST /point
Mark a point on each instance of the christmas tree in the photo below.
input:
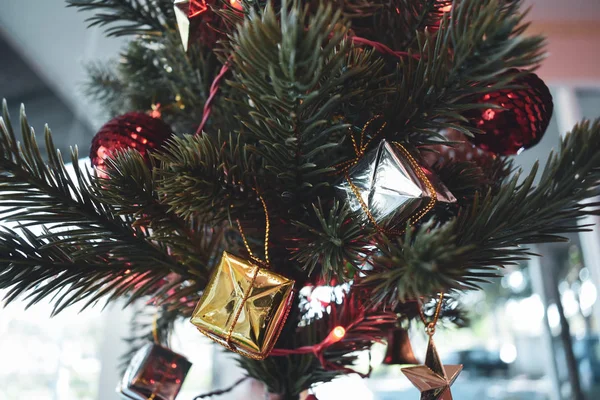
(262, 149)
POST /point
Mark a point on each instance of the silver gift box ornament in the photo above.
(390, 187)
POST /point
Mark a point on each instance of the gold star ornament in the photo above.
(433, 379)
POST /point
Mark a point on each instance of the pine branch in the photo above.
(296, 80)
(466, 179)
(198, 179)
(129, 17)
(337, 244)
(79, 226)
(105, 86)
(453, 314)
(130, 189)
(157, 71)
(430, 13)
(491, 233)
(477, 42)
(396, 23)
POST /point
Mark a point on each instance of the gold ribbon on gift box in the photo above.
(360, 149)
(244, 306)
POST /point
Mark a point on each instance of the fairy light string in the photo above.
(214, 90)
(336, 335)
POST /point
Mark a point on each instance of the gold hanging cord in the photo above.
(267, 230)
(360, 149)
(258, 261)
(430, 326)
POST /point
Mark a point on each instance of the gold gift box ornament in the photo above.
(244, 307)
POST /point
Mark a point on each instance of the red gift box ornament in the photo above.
(154, 373)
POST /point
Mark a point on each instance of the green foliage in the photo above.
(128, 177)
(156, 70)
(492, 231)
(395, 22)
(290, 375)
(86, 250)
(296, 80)
(200, 179)
(338, 247)
(477, 42)
(296, 85)
(465, 180)
(106, 87)
(128, 17)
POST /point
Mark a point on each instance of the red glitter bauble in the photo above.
(521, 123)
(133, 130)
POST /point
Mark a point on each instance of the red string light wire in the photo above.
(382, 48)
(214, 89)
(336, 335)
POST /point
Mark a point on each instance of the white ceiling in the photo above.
(56, 44)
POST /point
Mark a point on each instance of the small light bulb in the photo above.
(338, 333)
(236, 4)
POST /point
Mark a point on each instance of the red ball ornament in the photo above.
(133, 130)
(521, 123)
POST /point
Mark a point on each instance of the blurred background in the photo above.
(534, 333)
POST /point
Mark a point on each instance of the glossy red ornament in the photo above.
(133, 130)
(521, 123)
